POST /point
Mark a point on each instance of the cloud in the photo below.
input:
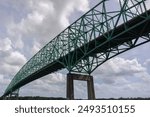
(10, 59)
(120, 66)
(44, 20)
(122, 78)
(147, 4)
(15, 58)
(122, 70)
(147, 62)
(124, 90)
(3, 81)
(52, 85)
(5, 44)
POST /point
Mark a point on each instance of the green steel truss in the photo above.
(94, 38)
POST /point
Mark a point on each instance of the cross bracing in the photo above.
(97, 36)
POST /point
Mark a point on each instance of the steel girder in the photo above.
(94, 38)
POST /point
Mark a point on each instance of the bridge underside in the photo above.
(86, 58)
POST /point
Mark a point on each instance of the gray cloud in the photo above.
(122, 78)
(120, 66)
(147, 62)
(10, 60)
(43, 21)
(51, 85)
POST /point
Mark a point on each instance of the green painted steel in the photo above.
(94, 38)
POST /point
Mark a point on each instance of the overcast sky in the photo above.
(27, 25)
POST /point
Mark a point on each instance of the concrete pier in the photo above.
(70, 85)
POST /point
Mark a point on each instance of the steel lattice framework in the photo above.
(94, 38)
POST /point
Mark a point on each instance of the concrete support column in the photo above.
(90, 86)
(70, 85)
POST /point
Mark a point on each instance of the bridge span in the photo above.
(99, 35)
